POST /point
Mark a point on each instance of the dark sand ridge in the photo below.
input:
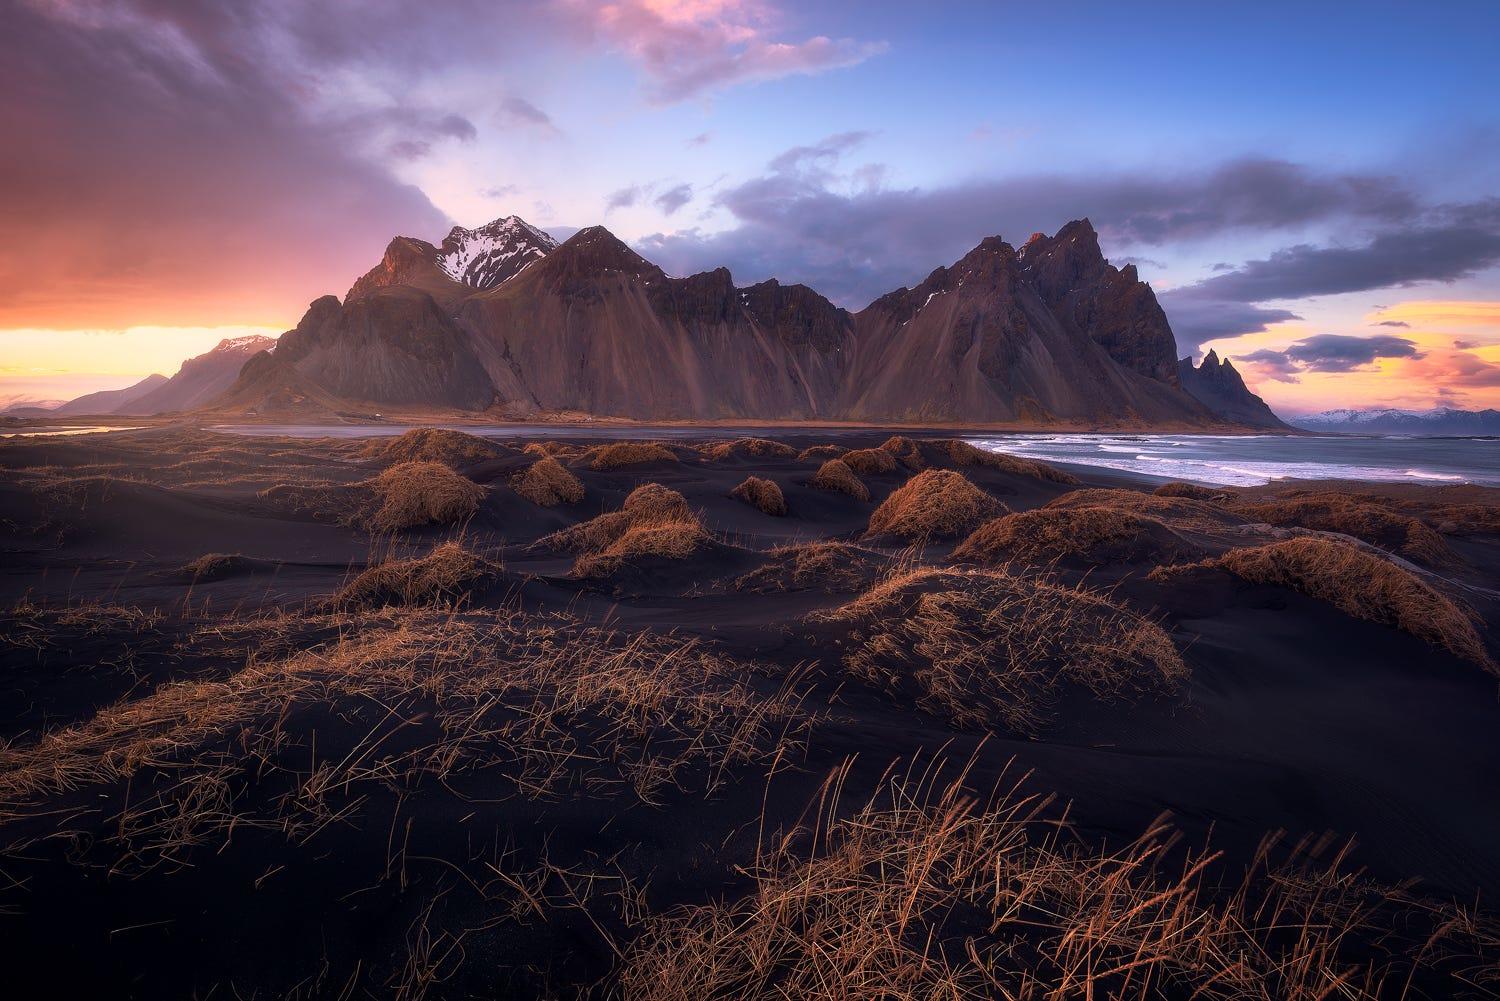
(1294, 715)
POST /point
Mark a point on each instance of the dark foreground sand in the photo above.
(216, 782)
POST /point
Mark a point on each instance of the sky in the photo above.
(1312, 188)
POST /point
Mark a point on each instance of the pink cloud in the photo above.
(690, 47)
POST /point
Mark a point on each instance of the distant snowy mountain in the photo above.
(21, 405)
(1437, 421)
(485, 257)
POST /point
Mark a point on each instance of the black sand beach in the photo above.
(234, 767)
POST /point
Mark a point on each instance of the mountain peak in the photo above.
(247, 345)
(493, 253)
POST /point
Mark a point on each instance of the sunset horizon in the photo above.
(181, 177)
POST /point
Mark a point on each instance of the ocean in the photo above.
(1245, 460)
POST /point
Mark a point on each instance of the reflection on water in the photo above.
(58, 432)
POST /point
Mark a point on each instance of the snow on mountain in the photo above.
(485, 257)
(1389, 420)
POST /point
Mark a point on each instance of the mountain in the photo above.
(269, 385)
(109, 401)
(1051, 333)
(1218, 386)
(201, 379)
(1437, 421)
(503, 318)
(21, 405)
(468, 260)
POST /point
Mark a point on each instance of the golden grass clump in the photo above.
(1361, 585)
(761, 448)
(869, 461)
(985, 648)
(1464, 519)
(929, 892)
(762, 494)
(555, 449)
(962, 453)
(814, 453)
(654, 521)
(836, 476)
(934, 504)
(823, 566)
(670, 539)
(214, 566)
(905, 451)
(548, 483)
(1098, 535)
(628, 453)
(1359, 517)
(1181, 513)
(412, 494)
(451, 448)
(1192, 491)
(446, 576)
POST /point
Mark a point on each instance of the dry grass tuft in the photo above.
(446, 576)
(1098, 535)
(1361, 585)
(548, 483)
(761, 448)
(654, 521)
(905, 450)
(1359, 517)
(1181, 513)
(628, 453)
(1192, 491)
(762, 494)
(930, 893)
(985, 648)
(451, 448)
(870, 461)
(815, 453)
(214, 566)
(412, 494)
(669, 539)
(935, 504)
(555, 449)
(833, 567)
(834, 475)
(961, 453)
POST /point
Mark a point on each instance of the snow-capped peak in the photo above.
(485, 257)
(248, 344)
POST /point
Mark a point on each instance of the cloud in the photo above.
(674, 198)
(1196, 320)
(1465, 242)
(701, 139)
(623, 198)
(814, 217)
(500, 191)
(167, 165)
(1329, 353)
(1393, 323)
(693, 47)
(519, 111)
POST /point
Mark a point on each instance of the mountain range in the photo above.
(505, 320)
(1437, 421)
